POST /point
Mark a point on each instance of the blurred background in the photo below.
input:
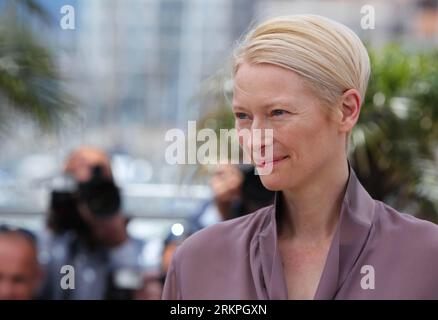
(126, 71)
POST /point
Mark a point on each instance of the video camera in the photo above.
(99, 193)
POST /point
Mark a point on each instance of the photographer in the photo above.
(88, 232)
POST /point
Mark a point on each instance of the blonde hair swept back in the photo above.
(327, 54)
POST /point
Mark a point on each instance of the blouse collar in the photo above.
(350, 238)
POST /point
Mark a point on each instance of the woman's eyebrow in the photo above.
(278, 103)
(236, 107)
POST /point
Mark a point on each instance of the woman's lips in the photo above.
(276, 160)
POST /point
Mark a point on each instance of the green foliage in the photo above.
(394, 142)
(30, 83)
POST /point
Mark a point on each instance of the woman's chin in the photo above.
(272, 182)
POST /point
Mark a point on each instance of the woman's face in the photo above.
(305, 137)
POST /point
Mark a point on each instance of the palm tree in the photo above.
(30, 83)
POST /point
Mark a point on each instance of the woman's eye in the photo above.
(278, 112)
(241, 116)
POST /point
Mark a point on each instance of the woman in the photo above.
(305, 78)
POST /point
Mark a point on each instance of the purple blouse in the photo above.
(376, 253)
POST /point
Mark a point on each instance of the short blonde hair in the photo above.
(330, 56)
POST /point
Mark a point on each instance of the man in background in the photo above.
(20, 273)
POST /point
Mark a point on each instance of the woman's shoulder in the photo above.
(227, 233)
(408, 228)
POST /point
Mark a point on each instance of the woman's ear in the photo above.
(350, 108)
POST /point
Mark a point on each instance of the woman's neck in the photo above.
(310, 213)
